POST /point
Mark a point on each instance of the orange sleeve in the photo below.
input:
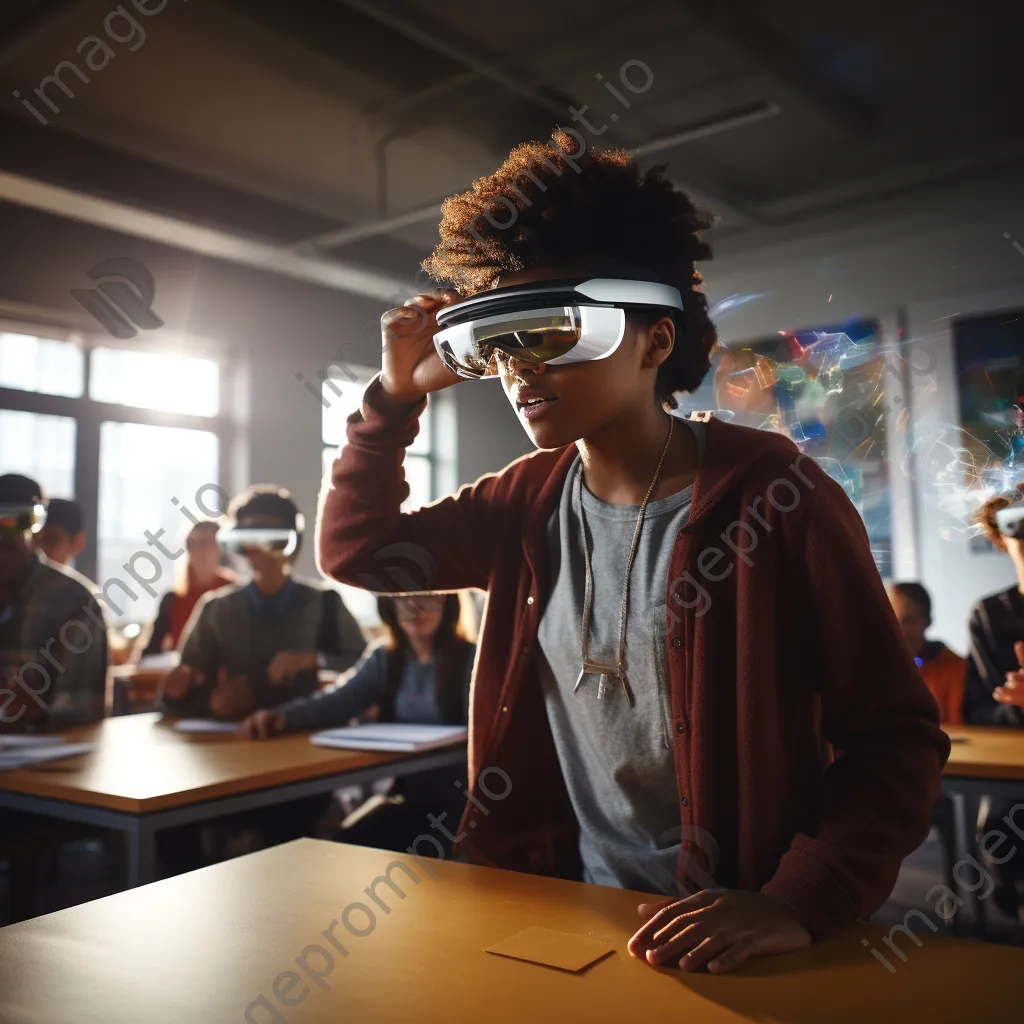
(955, 680)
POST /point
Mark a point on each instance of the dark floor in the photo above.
(89, 870)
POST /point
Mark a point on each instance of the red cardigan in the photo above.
(778, 646)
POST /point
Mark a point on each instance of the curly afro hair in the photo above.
(985, 517)
(604, 217)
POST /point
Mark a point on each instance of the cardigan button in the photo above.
(677, 642)
(685, 802)
(529, 600)
(680, 727)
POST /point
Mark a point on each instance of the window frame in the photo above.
(364, 375)
(89, 414)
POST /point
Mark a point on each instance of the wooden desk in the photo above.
(204, 946)
(983, 762)
(144, 777)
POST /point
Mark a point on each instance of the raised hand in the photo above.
(1012, 690)
(411, 366)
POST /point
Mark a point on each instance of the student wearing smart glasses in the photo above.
(260, 644)
(53, 639)
(671, 670)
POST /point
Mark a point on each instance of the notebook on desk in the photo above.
(391, 736)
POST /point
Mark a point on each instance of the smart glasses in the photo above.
(557, 322)
(1010, 520)
(18, 517)
(243, 540)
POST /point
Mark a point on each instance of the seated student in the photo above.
(421, 673)
(53, 640)
(943, 670)
(698, 756)
(260, 644)
(995, 681)
(996, 626)
(202, 573)
(62, 538)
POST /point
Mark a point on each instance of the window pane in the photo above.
(42, 447)
(339, 407)
(151, 380)
(417, 475)
(41, 364)
(142, 468)
(422, 444)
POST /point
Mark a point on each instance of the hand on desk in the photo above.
(286, 665)
(231, 697)
(262, 725)
(180, 681)
(719, 928)
(1012, 691)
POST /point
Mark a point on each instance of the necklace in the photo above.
(607, 670)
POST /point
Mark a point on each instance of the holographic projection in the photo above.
(824, 388)
(989, 359)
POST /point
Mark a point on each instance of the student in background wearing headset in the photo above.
(259, 644)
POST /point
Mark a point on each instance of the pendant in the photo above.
(607, 672)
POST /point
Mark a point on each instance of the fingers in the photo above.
(739, 952)
(247, 730)
(685, 936)
(710, 947)
(644, 939)
(648, 910)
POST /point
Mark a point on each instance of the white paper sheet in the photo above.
(393, 736)
(23, 740)
(205, 725)
(36, 755)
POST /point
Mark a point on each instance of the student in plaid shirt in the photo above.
(53, 640)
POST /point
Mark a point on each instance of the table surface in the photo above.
(204, 946)
(142, 765)
(986, 753)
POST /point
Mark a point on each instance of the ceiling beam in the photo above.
(700, 130)
(130, 220)
(484, 66)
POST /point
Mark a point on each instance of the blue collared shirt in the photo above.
(276, 605)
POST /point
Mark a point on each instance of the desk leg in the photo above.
(967, 804)
(141, 854)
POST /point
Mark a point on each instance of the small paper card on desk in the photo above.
(553, 949)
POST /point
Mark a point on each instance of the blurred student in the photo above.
(260, 644)
(62, 537)
(995, 667)
(53, 640)
(942, 669)
(421, 673)
(201, 573)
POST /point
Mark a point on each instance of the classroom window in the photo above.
(41, 447)
(43, 365)
(150, 479)
(153, 380)
(341, 398)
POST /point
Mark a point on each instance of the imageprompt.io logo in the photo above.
(123, 298)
